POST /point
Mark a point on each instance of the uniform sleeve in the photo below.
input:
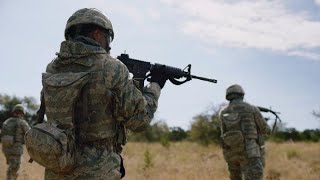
(134, 108)
(25, 126)
(263, 127)
(220, 120)
(41, 111)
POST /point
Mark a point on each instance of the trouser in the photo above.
(13, 162)
(92, 163)
(248, 169)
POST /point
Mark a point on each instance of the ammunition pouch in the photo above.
(7, 140)
(233, 139)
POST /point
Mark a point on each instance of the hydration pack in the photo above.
(52, 144)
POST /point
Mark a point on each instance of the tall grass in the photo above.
(189, 161)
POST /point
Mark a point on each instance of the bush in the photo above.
(291, 134)
(148, 161)
(205, 129)
(177, 134)
(292, 153)
(153, 133)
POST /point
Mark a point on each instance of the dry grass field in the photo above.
(188, 161)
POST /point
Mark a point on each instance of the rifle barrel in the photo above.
(204, 79)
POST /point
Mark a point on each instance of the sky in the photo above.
(270, 47)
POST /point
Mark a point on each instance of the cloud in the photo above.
(262, 24)
(310, 55)
(317, 2)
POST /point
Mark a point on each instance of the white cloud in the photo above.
(309, 55)
(262, 24)
(317, 2)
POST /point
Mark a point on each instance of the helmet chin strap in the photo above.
(108, 48)
(108, 40)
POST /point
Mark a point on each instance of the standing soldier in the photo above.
(241, 127)
(89, 98)
(12, 135)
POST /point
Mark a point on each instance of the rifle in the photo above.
(262, 109)
(140, 68)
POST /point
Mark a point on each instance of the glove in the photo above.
(159, 76)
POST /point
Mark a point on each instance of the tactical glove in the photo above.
(159, 76)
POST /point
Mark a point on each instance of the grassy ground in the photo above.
(188, 161)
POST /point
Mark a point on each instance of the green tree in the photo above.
(311, 135)
(177, 134)
(154, 133)
(205, 128)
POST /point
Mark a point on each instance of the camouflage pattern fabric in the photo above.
(114, 104)
(15, 127)
(93, 163)
(89, 16)
(52, 143)
(261, 142)
(13, 162)
(246, 168)
(243, 124)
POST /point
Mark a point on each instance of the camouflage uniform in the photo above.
(241, 127)
(114, 104)
(13, 127)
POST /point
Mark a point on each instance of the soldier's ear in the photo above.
(95, 35)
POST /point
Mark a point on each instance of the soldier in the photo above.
(111, 103)
(241, 127)
(13, 130)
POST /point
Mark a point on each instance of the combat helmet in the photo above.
(89, 16)
(19, 107)
(234, 90)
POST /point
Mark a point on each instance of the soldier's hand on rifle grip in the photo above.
(159, 76)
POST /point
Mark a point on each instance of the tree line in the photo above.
(8, 102)
(204, 129)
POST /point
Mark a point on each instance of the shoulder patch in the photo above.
(231, 116)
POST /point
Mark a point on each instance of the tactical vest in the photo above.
(95, 110)
(239, 117)
(12, 127)
(9, 126)
(12, 136)
(239, 131)
(8, 132)
(79, 106)
(101, 104)
(52, 144)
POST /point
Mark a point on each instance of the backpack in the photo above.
(233, 136)
(52, 143)
(7, 140)
(8, 133)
